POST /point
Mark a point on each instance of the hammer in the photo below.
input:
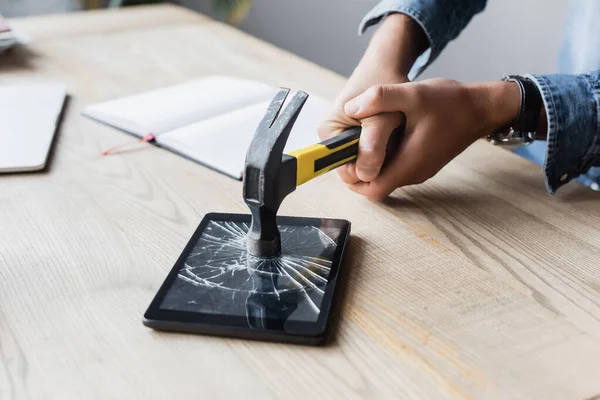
(270, 175)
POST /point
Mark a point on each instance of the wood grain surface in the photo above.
(477, 284)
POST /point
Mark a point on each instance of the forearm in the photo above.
(440, 21)
(398, 42)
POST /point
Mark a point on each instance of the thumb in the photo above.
(377, 100)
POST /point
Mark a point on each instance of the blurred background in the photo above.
(510, 36)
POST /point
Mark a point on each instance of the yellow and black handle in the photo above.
(319, 158)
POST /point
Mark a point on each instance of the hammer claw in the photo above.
(285, 121)
(274, 109)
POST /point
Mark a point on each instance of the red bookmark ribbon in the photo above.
(148, 138)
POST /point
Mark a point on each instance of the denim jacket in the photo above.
(571, 98)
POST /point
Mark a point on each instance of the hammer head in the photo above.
(269, 175)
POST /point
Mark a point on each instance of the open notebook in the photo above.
(210, 120)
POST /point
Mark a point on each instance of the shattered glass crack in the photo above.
(220, 277)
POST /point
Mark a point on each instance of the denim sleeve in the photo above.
(441, 20)
(572, 105)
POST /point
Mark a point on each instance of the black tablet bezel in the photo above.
(228, 325)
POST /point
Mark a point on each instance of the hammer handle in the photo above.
(319, 158)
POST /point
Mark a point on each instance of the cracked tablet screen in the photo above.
(220, 277)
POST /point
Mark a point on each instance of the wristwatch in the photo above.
(521, 131)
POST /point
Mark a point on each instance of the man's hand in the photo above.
(391, 53)
(376, 129)
(443, 118)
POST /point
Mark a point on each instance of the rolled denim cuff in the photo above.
(440, 22)
(572, 104)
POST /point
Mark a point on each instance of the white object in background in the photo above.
(172, 107)
(7, 35)
(29, 114)
(210, 120)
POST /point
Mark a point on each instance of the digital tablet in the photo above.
(217, 288)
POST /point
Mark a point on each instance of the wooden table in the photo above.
(476, 284)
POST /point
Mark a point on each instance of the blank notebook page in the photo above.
(176, 106)
(221, 142)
